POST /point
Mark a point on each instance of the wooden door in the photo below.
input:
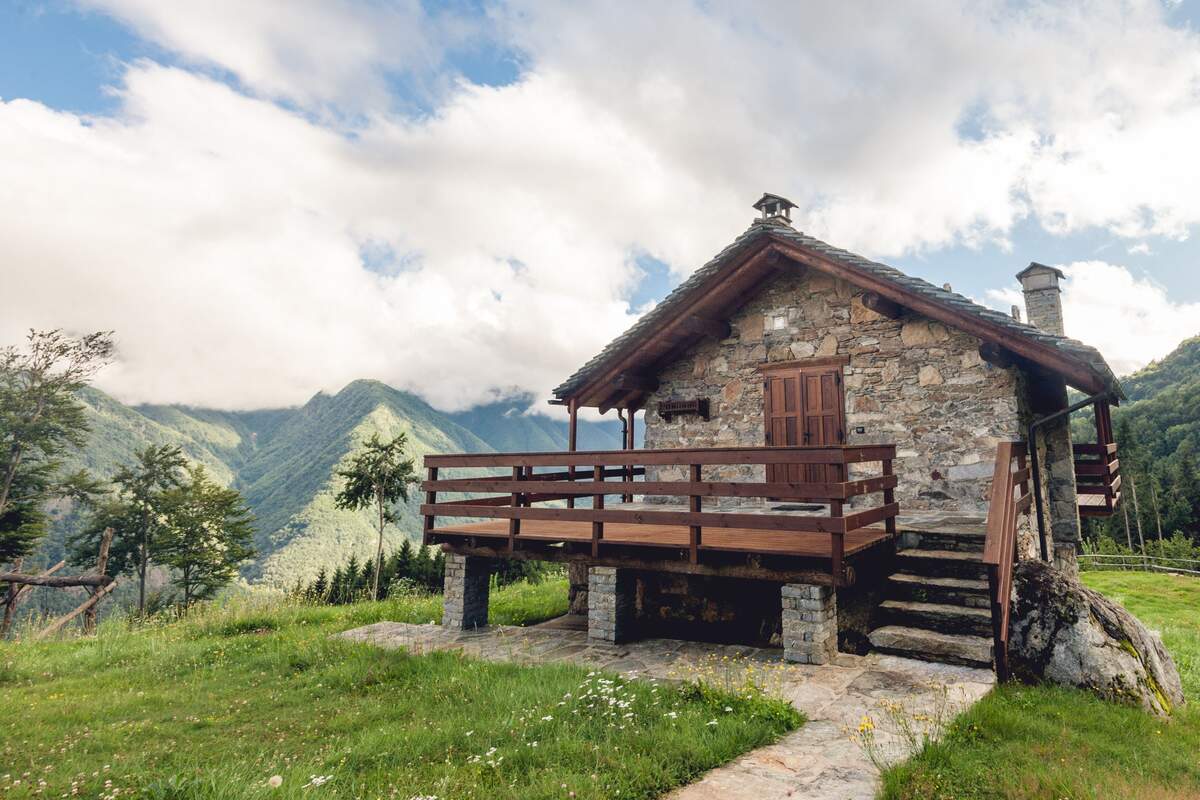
(804, 406)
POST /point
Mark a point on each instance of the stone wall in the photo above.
(910, 382)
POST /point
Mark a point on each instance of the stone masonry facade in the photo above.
(911, 381)
(465, 603)
(610, 604)
(810, 627)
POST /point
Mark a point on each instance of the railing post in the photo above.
(598, 505)
(694, 506)
(514, 524)
(889, 497)
(837, 540)
(430, 499)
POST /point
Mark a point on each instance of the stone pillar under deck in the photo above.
(610, 604)
(465, 603)
(810, 626)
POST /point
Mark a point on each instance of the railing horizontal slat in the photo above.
(768, 522)
(781, 491)
(848, 454)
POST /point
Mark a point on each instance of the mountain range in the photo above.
(284, 461)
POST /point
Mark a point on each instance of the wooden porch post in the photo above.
(572, 440)
(632, 411)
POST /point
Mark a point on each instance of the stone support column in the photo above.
(809, 623)
(610, 604)
(465, 603)
(1062, 501)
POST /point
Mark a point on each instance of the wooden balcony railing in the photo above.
(1097, 479)
(1010, 499)
(834, 533)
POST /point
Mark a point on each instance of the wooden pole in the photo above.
(1137, 517)
(89, 617)
(1157, 517)
(57, 625)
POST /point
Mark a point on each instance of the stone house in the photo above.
(784, 344)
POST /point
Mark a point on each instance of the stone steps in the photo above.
(941, 617)
(958, 541)
(955, 591)
(938, 606)
(971, 651)
(941, 564)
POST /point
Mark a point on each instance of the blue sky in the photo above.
(407, 150)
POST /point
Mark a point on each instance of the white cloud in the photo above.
(312, 52)
(222, 232)
(1131, 320)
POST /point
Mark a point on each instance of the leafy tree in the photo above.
(379, 476)
(143, 488)
(40, 419)
(207, 532)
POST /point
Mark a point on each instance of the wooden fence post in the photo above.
(694, 506)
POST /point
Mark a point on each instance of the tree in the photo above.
(207, 531)
(379, 476)
(40, 419)
(143, 487)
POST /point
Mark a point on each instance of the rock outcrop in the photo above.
(1065, 633)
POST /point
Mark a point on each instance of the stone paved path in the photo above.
(818, 761)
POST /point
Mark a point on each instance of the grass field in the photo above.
(1042, 742)
(219, 704)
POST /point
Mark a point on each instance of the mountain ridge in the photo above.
(285, 461)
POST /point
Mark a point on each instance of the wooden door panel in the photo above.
(804, 407)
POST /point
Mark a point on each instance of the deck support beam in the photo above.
(810, 626)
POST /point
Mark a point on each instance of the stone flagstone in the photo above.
(818, 761)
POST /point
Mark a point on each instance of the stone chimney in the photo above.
(1043, 298)
(774, 209)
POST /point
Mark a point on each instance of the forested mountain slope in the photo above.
(285, 460)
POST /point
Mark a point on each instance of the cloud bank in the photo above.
(267, 216)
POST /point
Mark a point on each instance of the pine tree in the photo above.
(320, 587)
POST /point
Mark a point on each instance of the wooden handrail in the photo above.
(1010, 498)
(511, 497)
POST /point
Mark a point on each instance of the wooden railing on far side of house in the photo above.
(584, 474)
(1010, 499)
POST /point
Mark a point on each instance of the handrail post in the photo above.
(430, 499)
(514, 524)
(694, 507)
(597, 505)
(889, 497)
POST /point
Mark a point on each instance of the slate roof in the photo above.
(664, 311)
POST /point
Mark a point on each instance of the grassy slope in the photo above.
(214, 706)
(1045, 742)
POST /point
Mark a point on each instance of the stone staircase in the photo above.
(937, 601)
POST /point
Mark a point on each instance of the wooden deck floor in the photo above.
(740, 540)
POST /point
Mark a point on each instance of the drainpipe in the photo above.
(1033, 461)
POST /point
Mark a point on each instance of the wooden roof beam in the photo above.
(881, 305)
(702, 326)
(635, 381)
(996, 355)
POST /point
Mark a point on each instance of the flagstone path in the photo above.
(820, 761)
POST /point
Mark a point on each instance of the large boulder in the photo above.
(1063, 632)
